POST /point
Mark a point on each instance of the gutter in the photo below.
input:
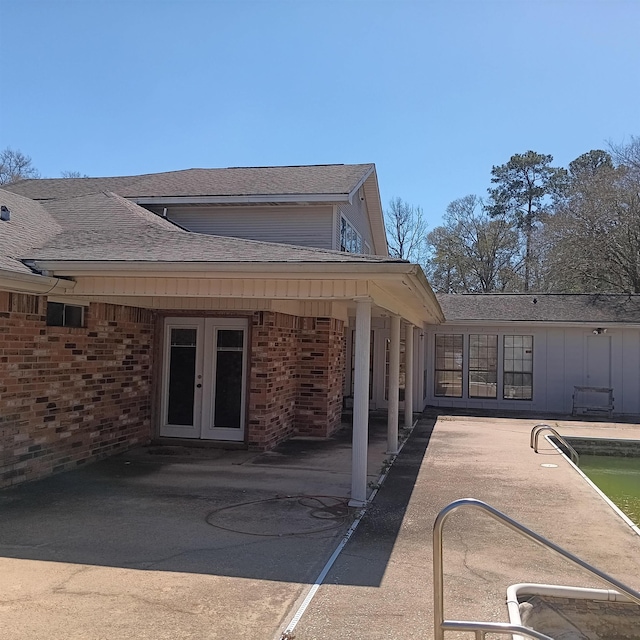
(288, 270)
(33, 283)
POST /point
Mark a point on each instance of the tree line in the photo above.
(539, 228)
(15, 165)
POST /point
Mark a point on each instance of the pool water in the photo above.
(618, 478)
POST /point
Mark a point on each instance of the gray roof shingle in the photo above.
(30, 225)
(107, 227)
(541, 307)
(333, 179)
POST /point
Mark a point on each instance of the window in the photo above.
(483, 366)
(64, 315)
(350, 239)
(448, 373)
(518, 368)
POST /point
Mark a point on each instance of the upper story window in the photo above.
(350, 239)
(64, 315)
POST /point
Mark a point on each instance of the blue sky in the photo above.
(434, 92)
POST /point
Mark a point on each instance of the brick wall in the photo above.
(272, 381)
(296, 378)
(321, 376)
(70, 395)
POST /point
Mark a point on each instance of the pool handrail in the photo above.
(535, 434)
(481, 628)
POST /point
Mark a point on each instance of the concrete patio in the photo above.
(173, 543)
(170, 542)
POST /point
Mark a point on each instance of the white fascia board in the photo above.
(33, 283)
(254, 199)
(360, 182)
(338, 270)
(374, 206)
(419, 281)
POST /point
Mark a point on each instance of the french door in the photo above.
(204, 378)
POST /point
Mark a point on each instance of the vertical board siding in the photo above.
(630, 388)
(559, 365)
(307, 226)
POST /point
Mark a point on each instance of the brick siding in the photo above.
(272, 382)
(296, 379)
(321, 376)
(70, 395)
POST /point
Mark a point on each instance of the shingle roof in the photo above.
(539, 307)
(29, 224)
(333, 179)
(107, 227)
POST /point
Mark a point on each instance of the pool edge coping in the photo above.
(632, 525)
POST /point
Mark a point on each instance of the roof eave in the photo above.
(336, 269)
(541, 323)
(244, 199)
(376, 213)
(33, 283)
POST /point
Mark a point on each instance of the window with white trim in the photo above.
(518, 368)
(60, 314)
(474, 366)
(483, 366)
(350, 239)
(449, 359)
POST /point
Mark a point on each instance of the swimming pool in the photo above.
(618, 478)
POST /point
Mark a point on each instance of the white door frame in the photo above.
(203, 426)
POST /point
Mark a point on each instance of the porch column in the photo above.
(394, 386)
(408, 376)
(361, 404)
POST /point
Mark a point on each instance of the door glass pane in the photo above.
(228, 400)
(182, 376)
(230, 338)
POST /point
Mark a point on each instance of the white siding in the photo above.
(357, 214)
(559, 364)
(305, 226)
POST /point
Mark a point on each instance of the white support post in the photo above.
(408, 376)
(394, 387)
(361, 404)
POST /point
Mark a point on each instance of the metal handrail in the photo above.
(441, 625)
(539, 428)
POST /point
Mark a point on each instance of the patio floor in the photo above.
(174, 543)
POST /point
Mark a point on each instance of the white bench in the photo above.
(592, 400)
